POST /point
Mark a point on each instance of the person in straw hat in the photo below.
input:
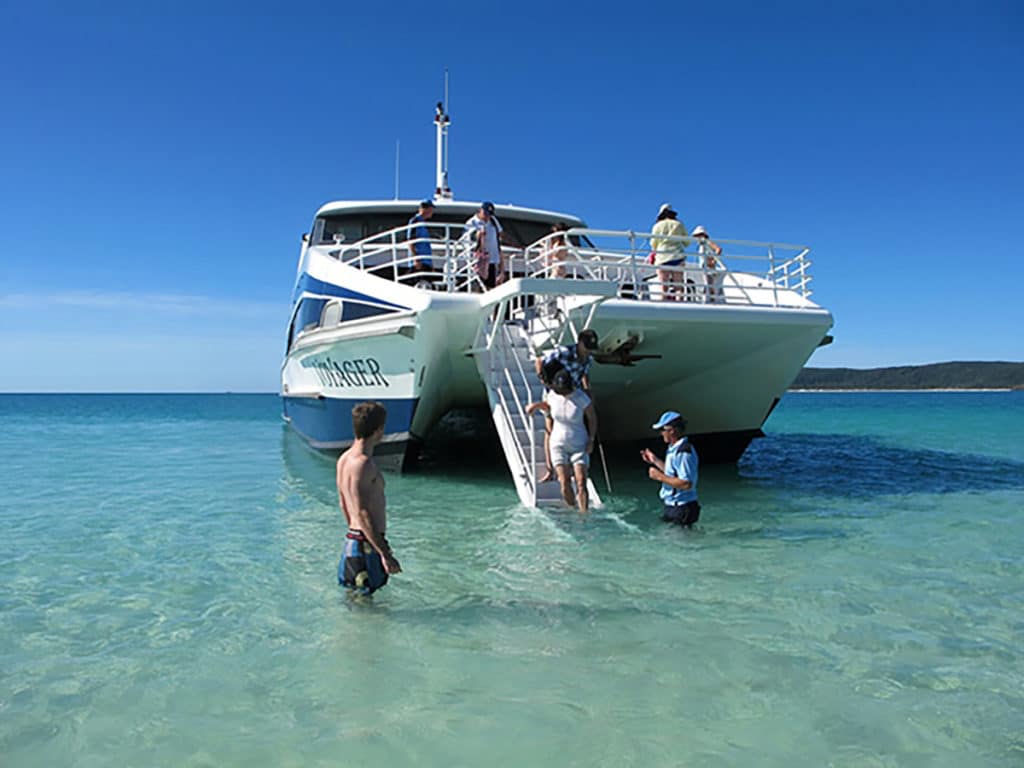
(667, 249)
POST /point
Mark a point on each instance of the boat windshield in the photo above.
(353, 227)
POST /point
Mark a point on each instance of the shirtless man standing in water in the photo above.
(367, 560)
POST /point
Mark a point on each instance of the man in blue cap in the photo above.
(419, 238)
(677, 473)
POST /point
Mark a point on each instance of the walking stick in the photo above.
(604, 464)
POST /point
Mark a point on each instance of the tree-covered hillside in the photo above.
(957, 375)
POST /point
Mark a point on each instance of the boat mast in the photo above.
(441, 122)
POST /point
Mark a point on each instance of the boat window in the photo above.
(328, 313)
(354, 310)
(521, 233)
(339, 311)
(358, 226)
(341, 230)
(308, 314)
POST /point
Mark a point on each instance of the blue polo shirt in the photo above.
(680, 463)
(421, 248)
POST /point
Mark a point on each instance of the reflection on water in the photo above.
(308, 472)
(849, 465)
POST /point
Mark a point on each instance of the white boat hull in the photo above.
(724, 367)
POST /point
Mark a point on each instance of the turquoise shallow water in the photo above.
(855, 596)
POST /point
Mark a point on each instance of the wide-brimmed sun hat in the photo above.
(666, 208)
(699, 230)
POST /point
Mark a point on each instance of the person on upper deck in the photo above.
(485, 230)
(557, 251)
(669, 253)
(708, 256)
(419, 238)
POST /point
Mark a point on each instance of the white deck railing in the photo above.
(747, 272)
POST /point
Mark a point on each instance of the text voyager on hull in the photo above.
(398, 311)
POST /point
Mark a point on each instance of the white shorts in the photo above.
(566, 454)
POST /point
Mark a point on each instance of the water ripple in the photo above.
(169, 571)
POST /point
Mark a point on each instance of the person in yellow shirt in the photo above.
(669, 253)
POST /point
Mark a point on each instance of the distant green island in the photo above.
(957, 375)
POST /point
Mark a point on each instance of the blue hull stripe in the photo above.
(309, 284)
(328, 422)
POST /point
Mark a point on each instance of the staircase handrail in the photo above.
(526, 462)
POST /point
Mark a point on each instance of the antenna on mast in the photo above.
(441, 121)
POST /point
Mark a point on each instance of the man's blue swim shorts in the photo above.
(361, 568)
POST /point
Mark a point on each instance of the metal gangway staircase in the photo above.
(522, 319)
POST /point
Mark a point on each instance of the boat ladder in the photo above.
(508, 343)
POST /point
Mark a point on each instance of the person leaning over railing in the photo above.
(709, 253)
(669, 253)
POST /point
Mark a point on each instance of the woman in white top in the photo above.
(571, 423)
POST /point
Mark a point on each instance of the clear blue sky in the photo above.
(159, 163)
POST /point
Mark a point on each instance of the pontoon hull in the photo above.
(724, 367)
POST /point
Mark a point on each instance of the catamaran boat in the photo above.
(719, 344)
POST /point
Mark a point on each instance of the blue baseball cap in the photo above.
(427, 204)
(487, 207)
(667, 418)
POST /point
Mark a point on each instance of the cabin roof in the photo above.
(459, 207)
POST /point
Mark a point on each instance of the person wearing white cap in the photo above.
(709, 254)
(677, 473)
(667, 248)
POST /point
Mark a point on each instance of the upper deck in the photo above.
(375, 236)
